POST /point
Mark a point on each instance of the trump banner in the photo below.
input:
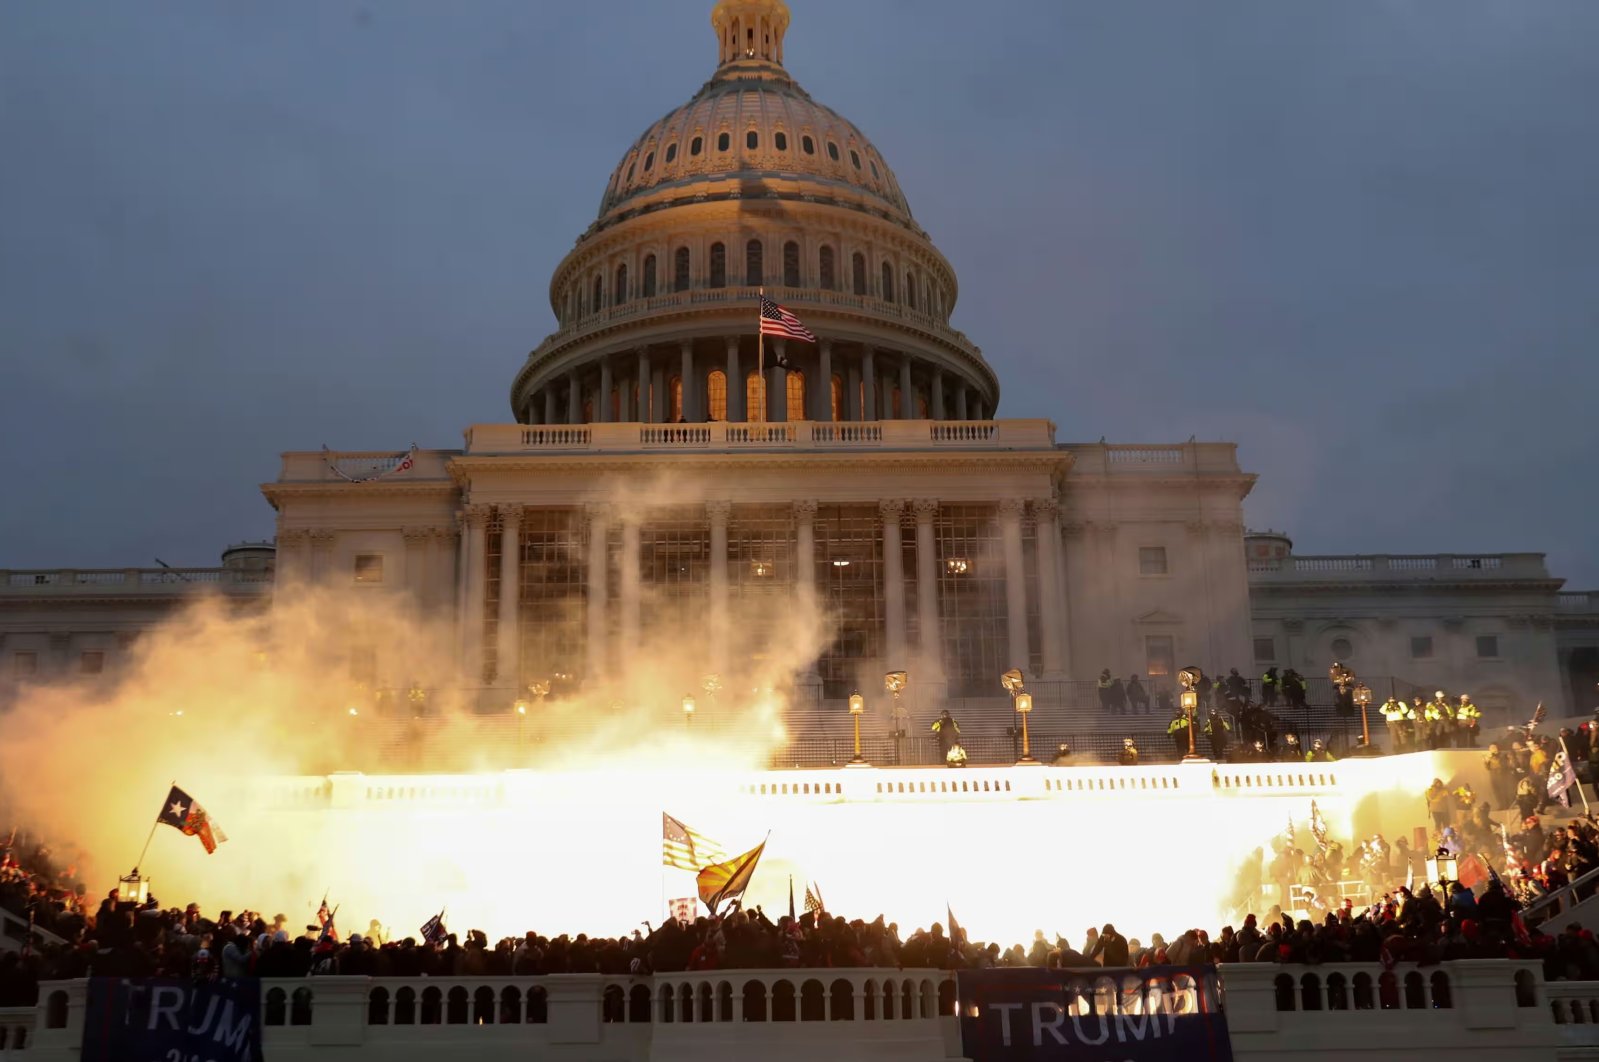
(161, 1019)
(1157, 1014)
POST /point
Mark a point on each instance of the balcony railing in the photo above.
(1577, 601)
(88, 582)
(722, 436)
(1362, 567)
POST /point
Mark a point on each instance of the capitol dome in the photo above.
(752, 185)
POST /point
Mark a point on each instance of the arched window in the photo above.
(752, 140)
(838, 397)
(716, 394)
(859, 264)
(910, 290)
(832, 151)
(599, 292)
(724, 141)
(854, 157)
(752, 263)
(869, 162)
(791, 270)
(680, 276)
(825, 269)
(696, 145)
(718, 265)
(671, 152)
(755, 398)
(630, 171)
(888, 282)
(796, 396)
(780, 141)
(649, 276)
(675, 390)
(807, 145)
(649, 162)
(619, 292)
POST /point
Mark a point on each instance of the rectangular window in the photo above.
(1151, 560)
(1421, 647)
(91, 662)
(24, 664)
(363, 665)
(1265, 650)
(369, 567)
(1488, 646)
(1159, 654)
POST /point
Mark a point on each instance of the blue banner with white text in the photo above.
(164, 1019)
(1157, 1014)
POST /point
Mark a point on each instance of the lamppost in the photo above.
(521, 724)
(712, 685)
(893, 683)
(1341, 677)
(688, 710)
(857, 708)
(1363, 698)
(1189, 699)
(1022, 703)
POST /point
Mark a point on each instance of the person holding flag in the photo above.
(722, 883)
(183, 813)
(433, 931)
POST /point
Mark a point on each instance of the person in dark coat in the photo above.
(1137, 695)
(1110, 950)
(948, 732)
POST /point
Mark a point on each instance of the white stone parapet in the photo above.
(484, 439)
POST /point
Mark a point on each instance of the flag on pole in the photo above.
(685, 849)
(1561, 779)
(1318, 826)
(791, 897)
(776, 321)
(1289, 833)
(727, 881)
(183, 813)
(955, 930)
(813, 899)
(330, 931)
(433, 931)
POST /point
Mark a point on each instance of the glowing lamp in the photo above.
(353, 710)
(1362, 694)
(857, 703)
(857, 707)
(133, 889)
(521, 707)
(1024, 702)
(688, 705)
(1443, 866)
(1190, 700)
(840, 562)
(957, 565)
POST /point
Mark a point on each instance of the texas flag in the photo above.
(182, 812)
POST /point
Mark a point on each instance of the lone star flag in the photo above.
(184, 813)
(727, 881)
(685, 849)
(776, 321)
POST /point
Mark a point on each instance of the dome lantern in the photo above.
(749, 30)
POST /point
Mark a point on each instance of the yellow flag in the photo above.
(720, 882)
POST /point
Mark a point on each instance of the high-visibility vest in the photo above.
(1467, 712)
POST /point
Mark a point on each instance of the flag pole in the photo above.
(146, 849)
(1585, 809)
(760, 352)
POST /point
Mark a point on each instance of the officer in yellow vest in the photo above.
(1431, 718)
(1393, 714)
(1467, 722)
(1446, 719)
(1414, 724)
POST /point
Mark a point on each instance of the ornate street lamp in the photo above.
(688, 709)
(1442, 867)
(893, 683)
(1342, 677)
(857, 708)
(1363, 698)
(1024, 708)
(1189, 678)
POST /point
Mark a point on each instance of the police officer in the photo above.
(1268, 687)
(1393, 714)
(1467, 724)
(1178, 731)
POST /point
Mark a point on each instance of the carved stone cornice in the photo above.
(443, 534)
(509, 515)
(805, 509)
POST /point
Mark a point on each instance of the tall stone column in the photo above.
(885, 396)
(805, 580)
(597, 652)
(508, 644)
(935, 403)
(931, 645)
(549, 405)
(869, 384)
(574, 398)
(852, 393)
(294, 558)
(960, 402)
(893, 584)
(685, 377)
(441, 568)
(630, 591)
(660, 401)
(822, 405)
(907, 390)
(1010, 530)
(735, 383)
(416, 558)
(1051, 606)
(322, 555)
(776, 385)
(644, 404)
(602, 404)
(718, 512)
(463, 569)
(477, 517)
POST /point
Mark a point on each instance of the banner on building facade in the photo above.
(159, 1019)
(1157, 1014)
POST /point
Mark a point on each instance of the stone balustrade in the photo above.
(724, 436)
(144, 582)
(1443, 567)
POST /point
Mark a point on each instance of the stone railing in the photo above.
(722, 436)
(1481, 1009)
(1153, 460)
(1443, 567)
(1577, 601)
(92, 582)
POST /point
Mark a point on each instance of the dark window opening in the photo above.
(828, 280)
(671, 152)
(832, 151)
(752, 140)
(718, 265)
(791, 264)
(724, 141)
(753, 265)
(680, 277)
(696, 145)
(807, 145)
(780, 141)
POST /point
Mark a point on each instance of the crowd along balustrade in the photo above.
(1465, 1011)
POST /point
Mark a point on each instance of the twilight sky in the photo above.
(1361, 239)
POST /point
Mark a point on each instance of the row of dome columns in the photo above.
(869, 376)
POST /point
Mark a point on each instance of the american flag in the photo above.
(685, 849)
(813, 898)
(1318, 826)
(776, 321)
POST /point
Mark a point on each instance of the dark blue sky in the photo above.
(1360, 239)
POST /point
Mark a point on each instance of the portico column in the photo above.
(644, 386)
(441, 566)
(507, 645)
(776, 385)
(935, 402)
(907, 395)
(463, 569)
(602, 405)
(416, 561)
(549, 404)
(685, 377)
(869, 384)
(574, 399)
(893, 584)
(927, 622)
(717, 512)
(885, 397)
(822, 407)
(630, 591)
(660, 401)
(624, 400)
(805, 551)
(735, 383)
(597, 653)
(1051, 606)
(852, 391)
(1010, 529)
(477, 517)
(960, 402)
